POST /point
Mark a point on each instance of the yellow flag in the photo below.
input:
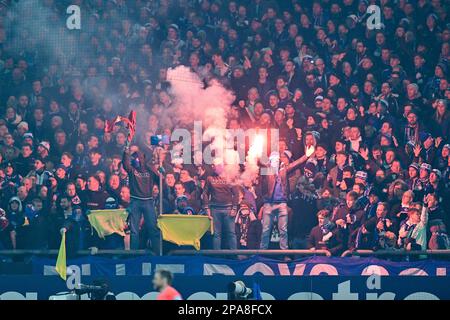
(183, 229)
(107, 222)
(61, 262)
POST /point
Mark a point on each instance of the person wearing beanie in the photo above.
(361, 177)
(413, 176)
(371, 206)
(309, 170)
(422, 180)
(28, 137)
(43, 150)
(435, 184)
(426, 153)
(248, 227)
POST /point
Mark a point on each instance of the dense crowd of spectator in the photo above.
(372, 105)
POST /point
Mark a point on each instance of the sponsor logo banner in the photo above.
(205, 266)
(38, 287)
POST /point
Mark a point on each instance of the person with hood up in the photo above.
(17, 221)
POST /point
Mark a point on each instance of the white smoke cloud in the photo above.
(193, 101)
(33, 24)
(210, 104)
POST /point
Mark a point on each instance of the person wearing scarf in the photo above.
(326, 236)
(248, 227)
(413, 233)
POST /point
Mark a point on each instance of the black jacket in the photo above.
(140, 181)
(220, 193)
(95, 200)
(336, 244)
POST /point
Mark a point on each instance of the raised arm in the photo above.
(298, 162)
(126, 160)
(424, 216)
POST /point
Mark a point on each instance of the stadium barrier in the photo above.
(250, 253)
(133, 253)
(395, 253)
(17, 253)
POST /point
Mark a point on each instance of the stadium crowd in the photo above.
(372, 102)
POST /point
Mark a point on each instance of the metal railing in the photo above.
(134, 253)
(18, 253)
(21, 253)
(395, 253)
(250, 253)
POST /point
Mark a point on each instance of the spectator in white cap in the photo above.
(28, 138)
(361, 177)
(413, 176)
(22, 128)
(425, 170)
(43, 149)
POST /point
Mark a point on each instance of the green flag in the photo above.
(61, 262)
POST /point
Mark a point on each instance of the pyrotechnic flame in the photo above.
(257, 146)
(255, 153)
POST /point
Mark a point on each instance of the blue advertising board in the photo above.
(35, 287)
(205, 266)
(202, 278)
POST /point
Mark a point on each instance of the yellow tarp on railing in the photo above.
(184, 230)
(107, 222)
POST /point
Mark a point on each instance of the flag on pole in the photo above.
(131, 125)
(129, 122)
(109, 125)
(61, 261)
